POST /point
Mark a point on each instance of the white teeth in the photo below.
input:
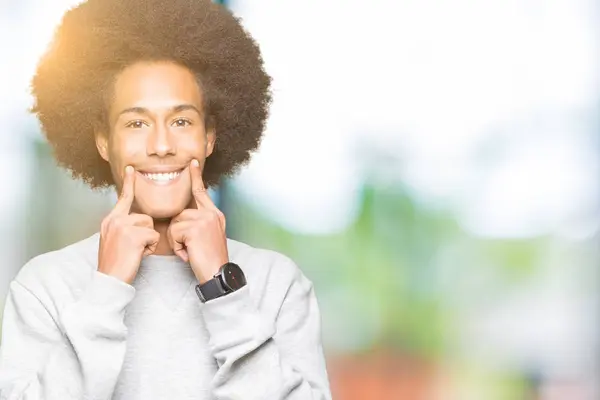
(162, 177)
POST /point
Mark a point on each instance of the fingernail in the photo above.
(128, 169)
(195, 163)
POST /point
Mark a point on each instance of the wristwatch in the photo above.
(229, 279)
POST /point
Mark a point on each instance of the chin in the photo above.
(162, 211)
(162, 205)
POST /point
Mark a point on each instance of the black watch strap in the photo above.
(210, 290)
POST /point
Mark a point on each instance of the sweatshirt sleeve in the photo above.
(259, 358)
(75, 355)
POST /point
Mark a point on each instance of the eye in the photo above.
(182, 122)
(137, 124)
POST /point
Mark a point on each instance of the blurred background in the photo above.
(432, 166)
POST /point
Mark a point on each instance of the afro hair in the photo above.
(99, 38)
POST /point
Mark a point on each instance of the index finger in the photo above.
(125, 201)
(198, 188)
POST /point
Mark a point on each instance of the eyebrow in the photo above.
(174, 109)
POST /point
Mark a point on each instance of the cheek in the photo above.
(194, 145)
(126, 150)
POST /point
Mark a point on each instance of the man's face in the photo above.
(157, 126)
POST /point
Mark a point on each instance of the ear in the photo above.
(211, 137)
(102, 144)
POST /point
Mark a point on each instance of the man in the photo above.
(160, 99)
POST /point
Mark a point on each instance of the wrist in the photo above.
(117, 274)
(209, 273)
(229, 278)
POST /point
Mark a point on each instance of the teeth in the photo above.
(162, 177)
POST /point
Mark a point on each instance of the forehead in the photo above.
(155, 86)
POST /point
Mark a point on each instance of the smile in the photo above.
(162, 176)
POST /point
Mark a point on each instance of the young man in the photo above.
(160, 99)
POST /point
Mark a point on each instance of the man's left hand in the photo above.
(198, 235)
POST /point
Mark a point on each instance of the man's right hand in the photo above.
(125, 237)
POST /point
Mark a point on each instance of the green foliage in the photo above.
(390, 258)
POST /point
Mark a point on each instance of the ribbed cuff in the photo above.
(101, 308)
(108, 291)
(234, 317)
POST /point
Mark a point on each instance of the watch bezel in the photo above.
(229, 270)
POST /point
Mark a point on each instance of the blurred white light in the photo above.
(543, 184)
(429, 85)
(34, 32)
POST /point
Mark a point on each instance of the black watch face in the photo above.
(233, 276)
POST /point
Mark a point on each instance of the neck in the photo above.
(163, 248)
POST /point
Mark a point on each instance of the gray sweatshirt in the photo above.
(71, 332)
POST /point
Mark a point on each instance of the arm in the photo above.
(75, 356)
(260, 358)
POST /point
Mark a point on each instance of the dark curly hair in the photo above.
(99, 38)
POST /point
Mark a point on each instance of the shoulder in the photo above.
(255, 260)
(268, 272)
(60, 273)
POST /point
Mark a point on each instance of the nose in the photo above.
(160, 142)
